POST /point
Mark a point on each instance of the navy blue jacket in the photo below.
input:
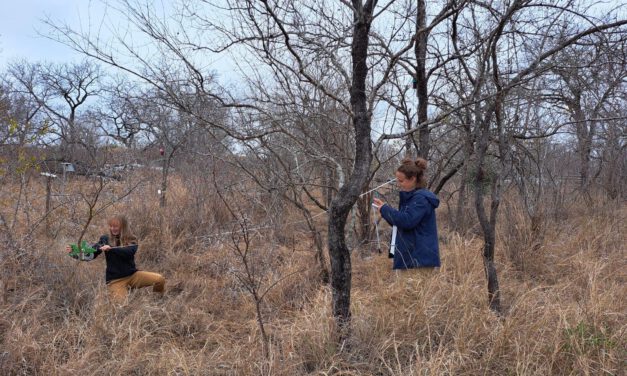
(120, 261)
(417, 236)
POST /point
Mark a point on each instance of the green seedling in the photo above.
(76, 251)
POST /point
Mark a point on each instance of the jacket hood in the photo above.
(430, 196)
(427, 194)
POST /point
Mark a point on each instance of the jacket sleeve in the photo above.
(409, 217)
(102, 241)
(128, 251)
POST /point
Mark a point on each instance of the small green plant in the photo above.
(585, 338)
(84, 248)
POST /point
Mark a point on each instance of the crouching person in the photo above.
(119, 248)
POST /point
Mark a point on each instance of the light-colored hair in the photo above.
(415, 168)
(126, 236)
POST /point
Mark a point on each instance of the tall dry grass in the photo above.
(564, 300)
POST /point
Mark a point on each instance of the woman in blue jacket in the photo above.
(417, 237)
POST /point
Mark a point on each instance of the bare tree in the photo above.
(62, 91)
(590, 75)
(21, 129)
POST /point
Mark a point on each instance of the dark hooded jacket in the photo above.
(417, 237)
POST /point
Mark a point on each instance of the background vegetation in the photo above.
(253, 199)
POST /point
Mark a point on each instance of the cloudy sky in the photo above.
(20, 21)
(21, 24)
(21, 30)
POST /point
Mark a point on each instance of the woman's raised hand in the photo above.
(377, 203)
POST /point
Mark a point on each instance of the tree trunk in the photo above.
(488, 226)
(349, 193)
(340, 263)
(165, 169)
(584, 144)
(328, 184)
(317, 238)
(48, 202)
(420, 50)
(363, 220)
(460, 212)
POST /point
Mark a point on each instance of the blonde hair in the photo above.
(415, 168)
(126, 237)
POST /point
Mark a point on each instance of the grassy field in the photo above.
(563, 297)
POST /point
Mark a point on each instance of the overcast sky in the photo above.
(21, 25)
(20, 21)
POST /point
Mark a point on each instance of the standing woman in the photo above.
(119, 248)
(417, 237)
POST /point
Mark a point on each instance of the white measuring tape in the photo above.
(256, 229)
(377, 187)
(376, 223)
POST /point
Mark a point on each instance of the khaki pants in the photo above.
(118, 288)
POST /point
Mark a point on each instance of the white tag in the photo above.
(393, 243)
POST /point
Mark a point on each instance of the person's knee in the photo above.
(117, 295)
(159, 285)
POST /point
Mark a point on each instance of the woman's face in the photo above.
(405, 184)
(114, 228)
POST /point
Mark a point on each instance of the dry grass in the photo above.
(565, 309)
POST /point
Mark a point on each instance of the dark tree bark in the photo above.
(461, 222)
(488, 225)
(341, 205)
(420, 49)
(165, 172)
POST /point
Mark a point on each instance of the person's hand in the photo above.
(68, 249)
(105, 248)
(377, 203)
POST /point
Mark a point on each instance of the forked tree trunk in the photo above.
(341, 205)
